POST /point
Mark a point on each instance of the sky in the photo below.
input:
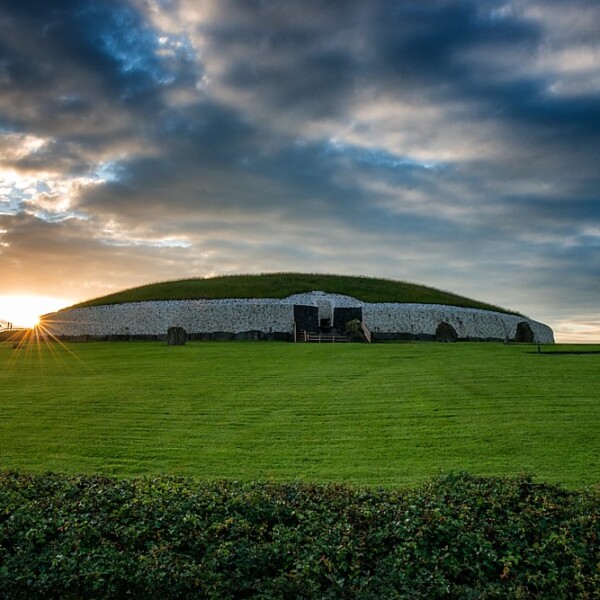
(450, 143)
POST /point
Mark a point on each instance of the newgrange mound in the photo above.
(280, 305)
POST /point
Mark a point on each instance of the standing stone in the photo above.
(176, 336)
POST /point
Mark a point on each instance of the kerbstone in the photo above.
(176, 336)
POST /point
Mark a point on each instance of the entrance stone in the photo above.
(176, 336)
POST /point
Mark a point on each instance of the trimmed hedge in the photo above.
(458, 536)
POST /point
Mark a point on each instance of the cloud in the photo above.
(452, 143)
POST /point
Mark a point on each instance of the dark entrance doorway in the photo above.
(342, 315)
(325, 326)
(306, 317)
(445, 333)
(524, 332)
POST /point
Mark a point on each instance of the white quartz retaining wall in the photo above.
(277, 316)
(467, 322)
(154, 318)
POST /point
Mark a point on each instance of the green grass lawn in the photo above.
(381, 414)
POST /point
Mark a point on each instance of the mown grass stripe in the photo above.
(387, 414)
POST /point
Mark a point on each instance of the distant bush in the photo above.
(458, 536)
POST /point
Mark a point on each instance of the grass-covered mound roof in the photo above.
(281, 285)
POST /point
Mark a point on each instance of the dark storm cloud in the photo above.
(408, 48)
(82, 70)
(259, 135)
(298, 181)
(106, 39)
(411, 49)
(424, 43)
(323, 58)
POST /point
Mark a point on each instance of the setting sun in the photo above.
(25, 310)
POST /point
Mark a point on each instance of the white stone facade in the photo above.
(277, 316)
(467, 322)
(154, 318)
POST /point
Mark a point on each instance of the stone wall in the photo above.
(469, 323)
(256, 318)
(154, 318)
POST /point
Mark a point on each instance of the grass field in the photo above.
(281, 285)
(381, 414)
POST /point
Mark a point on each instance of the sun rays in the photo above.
(29, 336)
(37, 344)
(24, 310)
